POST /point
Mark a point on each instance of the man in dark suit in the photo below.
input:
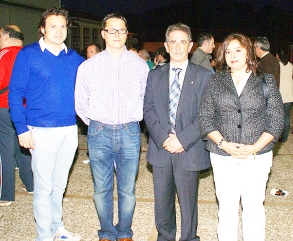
(269, 63)
(176, 150)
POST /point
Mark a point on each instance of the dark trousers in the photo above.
(11, 152)
(168, 180)
(287, 108)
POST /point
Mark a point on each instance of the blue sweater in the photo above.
(47, 82)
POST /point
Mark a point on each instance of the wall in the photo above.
(25, 14)
(36, 3)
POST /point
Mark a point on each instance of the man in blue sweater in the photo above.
(44, 74)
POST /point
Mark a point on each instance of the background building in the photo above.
(83, 28)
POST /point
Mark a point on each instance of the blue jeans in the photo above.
(287, 108)
(109, 144)
(51, 160)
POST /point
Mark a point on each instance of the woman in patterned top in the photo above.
(241, 126)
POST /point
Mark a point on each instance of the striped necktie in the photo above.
(174, 98)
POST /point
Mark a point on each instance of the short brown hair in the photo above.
(204, 37)
(50, 12)
(113, 15)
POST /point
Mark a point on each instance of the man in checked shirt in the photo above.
(109, 95)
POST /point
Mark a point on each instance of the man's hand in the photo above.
(180, 150)
(26, 140)
(172, 144)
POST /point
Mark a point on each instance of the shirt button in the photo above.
(239, 126)
(239, 111)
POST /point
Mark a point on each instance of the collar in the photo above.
(122, 55)
(44, 46)
(265, 54)
(241, 83)
(183, 66)
(12, 47)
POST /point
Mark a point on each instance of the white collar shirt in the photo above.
(265, 54)
(242, 83)
(181, 75)
(44, 46)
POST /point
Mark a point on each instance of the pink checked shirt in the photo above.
(111, 90)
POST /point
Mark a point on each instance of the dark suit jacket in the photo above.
(270, 65)
(156, 117)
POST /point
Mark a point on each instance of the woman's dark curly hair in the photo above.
(245, 42)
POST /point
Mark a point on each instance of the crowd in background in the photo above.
(224, 109)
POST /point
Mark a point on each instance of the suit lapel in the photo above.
(252, 82)
(228, 82)
(164, 87)
(189, 83)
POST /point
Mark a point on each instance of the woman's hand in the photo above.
(232, 148)
(239, 151)
(246, 151)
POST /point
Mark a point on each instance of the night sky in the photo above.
(103, 7)
(150, 18)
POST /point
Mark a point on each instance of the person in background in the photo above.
(144, 54)
(213, 62)
(44, 73)
(11, 40)
(286, 89)
(175, 149)
(161, 58)
(92, 49)
(134, 50)
(109, 96)
(269, 62)
(241, 126)
(202, 55)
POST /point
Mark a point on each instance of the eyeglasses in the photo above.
(113, 31)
